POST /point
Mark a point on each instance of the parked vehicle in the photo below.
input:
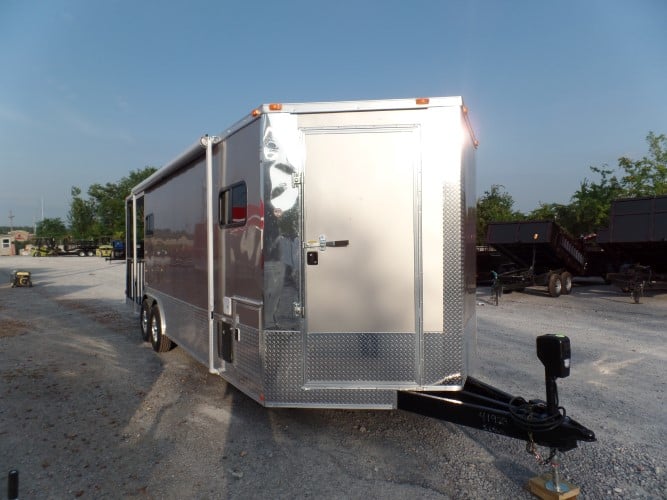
(44, 247)
(82, 248)
(542, 252)
(635, 244)
(322, 255)
(114, 250)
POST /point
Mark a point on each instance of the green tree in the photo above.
(590, 204)
(51, 228)
(495, 205)
(81, 216)
(102, 214)
(648, 176)
(562, 214)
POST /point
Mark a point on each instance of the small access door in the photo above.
(361, 256)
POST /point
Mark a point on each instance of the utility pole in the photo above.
(11, 221)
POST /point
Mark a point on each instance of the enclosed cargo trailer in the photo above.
(322, 255)
(322, 219)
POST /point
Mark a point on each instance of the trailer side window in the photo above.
(148, 227)
(233, 205)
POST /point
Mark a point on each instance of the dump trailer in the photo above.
(542, 252)
(82, 248)
(635, 244)
(322, 255)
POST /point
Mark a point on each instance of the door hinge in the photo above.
(298, 310)
(296, 180)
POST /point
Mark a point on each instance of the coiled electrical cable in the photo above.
(533, 417)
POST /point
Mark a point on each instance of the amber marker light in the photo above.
(274, 106)
(422, 101)
(255, 112)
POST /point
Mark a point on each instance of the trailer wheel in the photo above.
(555, 285)
(566, 282)
(82, 253)
(144, 318)
(159, 341)
(90, 253)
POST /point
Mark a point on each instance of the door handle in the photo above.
(337, 243)
(322, 243)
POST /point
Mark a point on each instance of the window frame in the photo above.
(226, 205)
(149, 225)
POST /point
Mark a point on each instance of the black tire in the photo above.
(144, 320)
(566, 282)
(90, 253)
(555, 285)
(159, 341)
(82, 253)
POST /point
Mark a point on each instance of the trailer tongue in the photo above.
(537, 422)
(484, 407)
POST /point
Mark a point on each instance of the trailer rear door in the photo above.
(360, 257)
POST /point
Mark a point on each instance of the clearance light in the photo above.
(275, 106)
(465, 110)
(255, 112)
(422, 101)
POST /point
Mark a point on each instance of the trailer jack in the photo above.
(482, 406)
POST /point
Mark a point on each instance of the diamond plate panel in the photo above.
(284, 378)
(185, 324)
(246, 371)
(443, 353)
(361, 357)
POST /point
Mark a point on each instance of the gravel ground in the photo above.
(89, 411)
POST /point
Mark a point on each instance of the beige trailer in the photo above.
(322, 255)
(316, 254)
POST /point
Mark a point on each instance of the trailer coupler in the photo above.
(484, 407)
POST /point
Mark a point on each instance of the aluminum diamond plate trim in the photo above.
(284, 379)
(247, 366)
(361, 357)
(449, 348)
(440, 352)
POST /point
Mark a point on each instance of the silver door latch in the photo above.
(322, 243)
